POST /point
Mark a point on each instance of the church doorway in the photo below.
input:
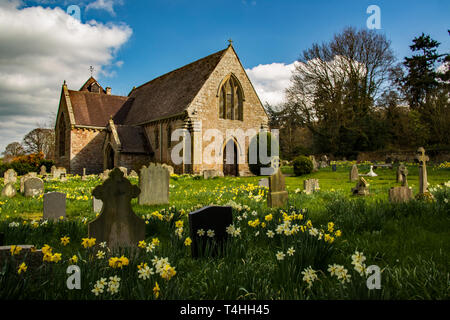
(109, 158)
(230, 159)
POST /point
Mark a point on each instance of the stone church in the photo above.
(97, 130)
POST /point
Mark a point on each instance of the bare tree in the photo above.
(40, 140)
(13, 150)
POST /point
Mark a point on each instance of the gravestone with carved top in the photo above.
(117, 224)
(422, 159)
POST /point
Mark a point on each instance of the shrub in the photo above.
(255, 168)
(302, 165)
(27, 163)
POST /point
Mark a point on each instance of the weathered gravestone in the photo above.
(278, 195)
(25, 178)
(154, 184)
(354, 176)
(208, 174)
(422, 159)
(170, 168)
(43, 171)
(57, 172)
(264, 182)
(311, 185)
(400, 168)
(117, 224)
(400, 194)
(361, 188)
(54, 205)
(33, 187)
(63, 177)
(104, 175)
(9, 190)
(97, 205)
(213, 218)
(314, 162)
(10, 176)
(323, 162)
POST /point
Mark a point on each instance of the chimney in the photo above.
(108, 90)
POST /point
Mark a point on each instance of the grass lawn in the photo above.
(409, 242)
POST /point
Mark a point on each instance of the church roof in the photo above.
(169, 94)
(133, 139)
(94, 109)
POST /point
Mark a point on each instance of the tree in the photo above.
(333, 89)
(40, 140)
(425, 85)
(13, 150)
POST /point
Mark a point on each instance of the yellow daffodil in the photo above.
(142, 244)
(156, 290)
(15, 250)
(65, 241)
(22, 268)
(73, 260)
(187, 242)
(88, 242)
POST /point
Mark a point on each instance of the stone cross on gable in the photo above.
(423, 179)
(117, 224)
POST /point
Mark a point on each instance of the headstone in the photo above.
(278, 195)
(10, 176)
(354, 176)
(33, 187)
(404, 176)
(84, 177)
(170, 168)
(43, 171)
(63, 177)
(104, 175)
(264, 182)
(399, 173)
(57, 172)
(400, 194)
(154, 184)
(311, 185)
(97, 205)
(422, 159)
(208, 174)
(25, 178)
(314, 162)
(214, 218)
(361, 188)
(9, 190)
(54, 205)
(117, 224)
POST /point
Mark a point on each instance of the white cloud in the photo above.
(271, 80)
(41, 47)
(107, 5)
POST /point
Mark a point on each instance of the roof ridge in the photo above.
(180, 68)
(101, 94)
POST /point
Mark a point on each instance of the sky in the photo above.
(130, 42)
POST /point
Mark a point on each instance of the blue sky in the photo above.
(133, 41)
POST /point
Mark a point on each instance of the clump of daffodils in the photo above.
(233, 231)
(116, 262)
(163, 268)
(358, 261)
(88, 242)
(49, 256)
(112, 286)
(340, 272)
(15, 250)
(145, 271)
(309, 276)
(179, 228)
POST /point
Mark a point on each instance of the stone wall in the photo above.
(86, 151)
(436, 156)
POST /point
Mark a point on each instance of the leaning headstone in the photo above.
(208, 174)
(43, 171)
(154, 184)
(311, 185)
(278, 195)
(117, 224)
(400, 194)
(54, 205)
(361, 188)
(33, 187)
(10, 176)
(354, 176)
(213, 218)
(423, 178)
(9, 190)
(97, 205)
(264, 182)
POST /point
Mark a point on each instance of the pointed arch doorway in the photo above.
(109, 157)
(230, 159)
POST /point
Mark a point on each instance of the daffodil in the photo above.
(15, 250)
(187, 242)
(156, 290)
(65, 241)
(22, 268)
(280, 255)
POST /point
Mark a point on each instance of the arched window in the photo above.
(230, 100)
(62, 135)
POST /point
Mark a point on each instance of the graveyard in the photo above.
(312, 245)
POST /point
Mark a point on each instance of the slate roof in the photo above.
(133, 139)
(171, 93)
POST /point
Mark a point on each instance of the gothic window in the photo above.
(231, 100)
(62, 135)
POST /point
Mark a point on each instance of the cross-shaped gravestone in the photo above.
(278, 195)
(422, 159)
(213, 218)
(117, 224)
(54, 205)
